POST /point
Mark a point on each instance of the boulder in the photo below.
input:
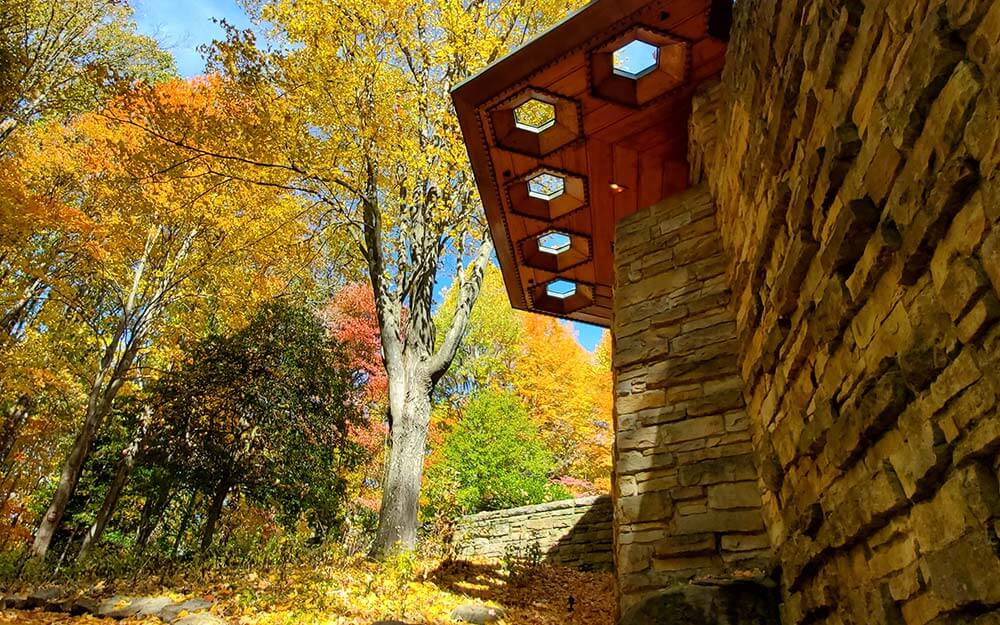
(731, 604)
(202, 618)
(476, 614)
(169, 613)
(117, 607)
(150, 606)
(15, 602)
(79, 607)
(42, 597)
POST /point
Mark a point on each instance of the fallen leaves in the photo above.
(359, 592)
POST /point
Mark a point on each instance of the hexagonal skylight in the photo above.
(554, 242)
(560, 289)
(635, 59)
(546, 186)
(535, 116)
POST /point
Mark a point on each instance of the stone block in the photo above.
(685, 545)
(719, 470)
(734, 495)
(745, 542)
(966, 571)
(720, 521)
(647, 507)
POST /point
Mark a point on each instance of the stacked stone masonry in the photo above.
(573, 532)
(687, 496)
(853, 161)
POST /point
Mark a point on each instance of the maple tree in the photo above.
(351, 318)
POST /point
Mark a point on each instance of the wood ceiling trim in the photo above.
(616, 144)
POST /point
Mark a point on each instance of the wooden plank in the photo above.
(650, 182)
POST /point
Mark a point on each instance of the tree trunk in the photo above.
(185, 521)
(152, 514)
(105, 387)
(12, 424)
(115, 363)
(214, 512)
(68, 480)
(397, 526)
(122, 473)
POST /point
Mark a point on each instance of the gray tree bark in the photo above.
(122, 474)
(397, 526)
(16, 416)
(412, 365)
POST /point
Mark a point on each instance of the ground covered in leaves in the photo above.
(358, 592)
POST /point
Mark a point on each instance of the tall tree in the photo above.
(357, 94)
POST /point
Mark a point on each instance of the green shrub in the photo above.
(493, 459)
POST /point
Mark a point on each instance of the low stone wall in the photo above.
(572, 532)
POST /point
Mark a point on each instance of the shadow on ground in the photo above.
(544, 594)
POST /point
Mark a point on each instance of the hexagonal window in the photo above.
(635, 59)
(546, 186)
(560, 289)
(535, 116)
(554, 242)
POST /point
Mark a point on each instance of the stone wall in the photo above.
(855, 172)
(687, 498)
(573, 532)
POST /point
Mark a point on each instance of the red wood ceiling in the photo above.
(624, 139)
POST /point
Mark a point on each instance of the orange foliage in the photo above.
(569, 396)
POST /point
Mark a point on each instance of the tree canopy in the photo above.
(158, 391)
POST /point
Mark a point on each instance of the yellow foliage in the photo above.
(360, 592)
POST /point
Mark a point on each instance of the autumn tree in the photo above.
(357, 100)
(62, 57)
(167, 237)
(265, 412)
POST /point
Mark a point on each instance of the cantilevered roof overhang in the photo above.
(585, 125)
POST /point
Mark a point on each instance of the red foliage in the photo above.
(352, 320)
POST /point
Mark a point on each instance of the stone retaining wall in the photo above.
(572, 532)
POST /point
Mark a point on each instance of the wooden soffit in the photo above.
(566, 137)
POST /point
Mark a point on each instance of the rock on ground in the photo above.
(202, 618)
(116, 607)
(477, 614)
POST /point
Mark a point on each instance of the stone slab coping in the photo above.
(563, 504)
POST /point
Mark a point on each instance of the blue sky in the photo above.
(182, 25)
